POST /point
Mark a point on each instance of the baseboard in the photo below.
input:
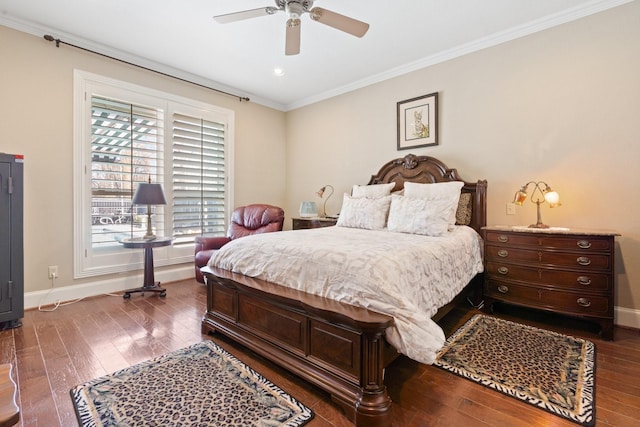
(99, 287)
(627, 317)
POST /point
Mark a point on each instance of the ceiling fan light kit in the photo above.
(295, 9)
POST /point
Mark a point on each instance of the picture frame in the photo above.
(418, 122)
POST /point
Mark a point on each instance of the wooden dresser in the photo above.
(568, 271)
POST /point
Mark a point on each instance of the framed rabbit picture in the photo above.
(418, 122)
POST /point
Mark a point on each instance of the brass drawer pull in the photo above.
(503, 270)
(503, 289)
(503, 238)
(583, 260)
(584, 244)
(584, 280)
(503, 253)
(583, 302)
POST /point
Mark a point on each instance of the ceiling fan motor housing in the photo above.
(295, 8)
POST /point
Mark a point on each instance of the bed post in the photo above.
(374, 405)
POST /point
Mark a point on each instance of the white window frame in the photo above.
(88, 261)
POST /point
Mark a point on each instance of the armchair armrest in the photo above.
(206, 243)
(204, 248)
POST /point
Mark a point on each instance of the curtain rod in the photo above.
(50, 38)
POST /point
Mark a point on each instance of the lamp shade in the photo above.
(308, 210)
(552, 198)
(149, 194)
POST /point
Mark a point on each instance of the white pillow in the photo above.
(375, 190)
(448, 192)
(364, 212)
(418, 216)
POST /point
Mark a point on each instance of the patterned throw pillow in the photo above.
(419, 216)
(364, 212)
(372, 191)
(463, 213)
(448, 191)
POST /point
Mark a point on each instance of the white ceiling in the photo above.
(179, 37)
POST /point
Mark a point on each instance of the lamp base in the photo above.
(539, 223)
(538, 226)
(149, 235)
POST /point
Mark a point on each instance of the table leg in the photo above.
(149, 284)
(149, 280)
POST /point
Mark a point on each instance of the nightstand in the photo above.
(305, 223)
(568, 271)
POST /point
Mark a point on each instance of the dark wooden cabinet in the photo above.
(11, 243)
(305, 223)
(561, 270)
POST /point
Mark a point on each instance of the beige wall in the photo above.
(36, 106)
(561, 105)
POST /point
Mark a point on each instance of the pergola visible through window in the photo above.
(126, 149)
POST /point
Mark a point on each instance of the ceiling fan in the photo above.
(295, 9)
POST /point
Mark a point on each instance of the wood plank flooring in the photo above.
(54, 351)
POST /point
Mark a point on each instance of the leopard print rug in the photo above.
(549, 370)
(201, 385)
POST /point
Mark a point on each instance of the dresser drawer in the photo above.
(573, 242)
(568, 302)
(564, 279)
(585, 261)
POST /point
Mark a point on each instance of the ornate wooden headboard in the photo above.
(425, 169)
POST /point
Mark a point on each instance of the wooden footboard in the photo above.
(337, 347)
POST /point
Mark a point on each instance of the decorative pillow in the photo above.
(364, 212)
(372, 191)
(429, 217)
(463, 213)
(448, 191)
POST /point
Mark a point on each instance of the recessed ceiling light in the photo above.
(278, 72)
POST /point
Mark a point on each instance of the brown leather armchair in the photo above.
(245, 220)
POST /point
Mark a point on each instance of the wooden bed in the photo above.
(337, 347)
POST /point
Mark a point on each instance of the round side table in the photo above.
(149, 284)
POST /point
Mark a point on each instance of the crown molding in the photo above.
(495, 39)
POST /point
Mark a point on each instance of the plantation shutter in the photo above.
(126, 149)
(199, 177)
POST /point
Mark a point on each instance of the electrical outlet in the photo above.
(511, 208)
(53, 272)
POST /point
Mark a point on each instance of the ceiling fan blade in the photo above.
(338, 21)
(292, 46)
(245, 14)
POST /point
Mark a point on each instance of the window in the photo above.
(127, 134)
(198, 173)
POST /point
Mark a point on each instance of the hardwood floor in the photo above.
(54, 351)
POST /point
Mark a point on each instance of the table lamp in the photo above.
(320, 193)
(149, 194)
(541, 195)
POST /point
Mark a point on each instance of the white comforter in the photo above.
(406, 276)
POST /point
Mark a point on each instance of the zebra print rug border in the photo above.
(198, 385)
(548, 370)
